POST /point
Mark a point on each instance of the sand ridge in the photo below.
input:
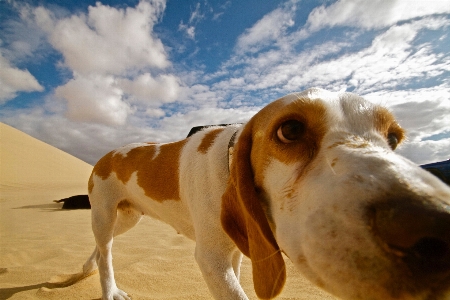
(27, 163)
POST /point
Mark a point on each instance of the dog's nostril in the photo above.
(429, 248)
(429, 256)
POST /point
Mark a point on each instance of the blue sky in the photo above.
(87, 76)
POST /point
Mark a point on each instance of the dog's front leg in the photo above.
(219, 272)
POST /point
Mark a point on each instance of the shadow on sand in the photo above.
(58, 281)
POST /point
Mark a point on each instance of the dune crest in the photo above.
(28, 163)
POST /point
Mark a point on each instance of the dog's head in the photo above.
(314, 176)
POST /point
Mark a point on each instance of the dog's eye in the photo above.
(392, 140)
(290, 131)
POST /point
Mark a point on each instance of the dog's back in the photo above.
(168, 181)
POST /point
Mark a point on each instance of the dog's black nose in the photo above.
(415, 231)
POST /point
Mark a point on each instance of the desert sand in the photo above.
(42, 245)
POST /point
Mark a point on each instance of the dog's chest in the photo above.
(204, 171)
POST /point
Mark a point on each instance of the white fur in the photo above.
(125, 149)
(320, 226)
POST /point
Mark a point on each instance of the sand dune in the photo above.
(40, 243)
(29, 164)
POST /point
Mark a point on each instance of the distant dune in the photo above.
(27, 163)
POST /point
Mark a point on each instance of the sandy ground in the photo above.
(41, 245)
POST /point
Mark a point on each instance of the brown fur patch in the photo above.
(208, 140)
(103, 167)
(124, 205)
(385, 123)
(158, 176)
(91, 183)
(266, 144)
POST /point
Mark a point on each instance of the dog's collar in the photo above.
(231, 149)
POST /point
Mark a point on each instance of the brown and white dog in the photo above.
(312, 175)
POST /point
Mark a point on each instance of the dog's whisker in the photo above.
(277, 278)
(268, 257)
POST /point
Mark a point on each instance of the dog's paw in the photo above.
(117, 294)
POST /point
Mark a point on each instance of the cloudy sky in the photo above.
(89, 76)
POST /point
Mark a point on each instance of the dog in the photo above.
(312, 175)
(75, 202)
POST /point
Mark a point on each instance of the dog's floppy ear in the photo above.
(244, 220)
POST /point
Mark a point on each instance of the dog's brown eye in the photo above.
(290, 131)
(392, 140)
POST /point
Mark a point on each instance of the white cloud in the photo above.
(426, 151)
(113, 55)
(94, 99)
(178, 125)
(22, 39)
(189, 28)
(155, 113)
(422, 112)
(438, 93)
(107, 40)
(152, 90)
(268, 29)
(196, 14)
(222, 8)
(111, 100)
(391, 60)
(14, 80)
(372, 14)
(199, 94)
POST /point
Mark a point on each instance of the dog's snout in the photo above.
(416, 232)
